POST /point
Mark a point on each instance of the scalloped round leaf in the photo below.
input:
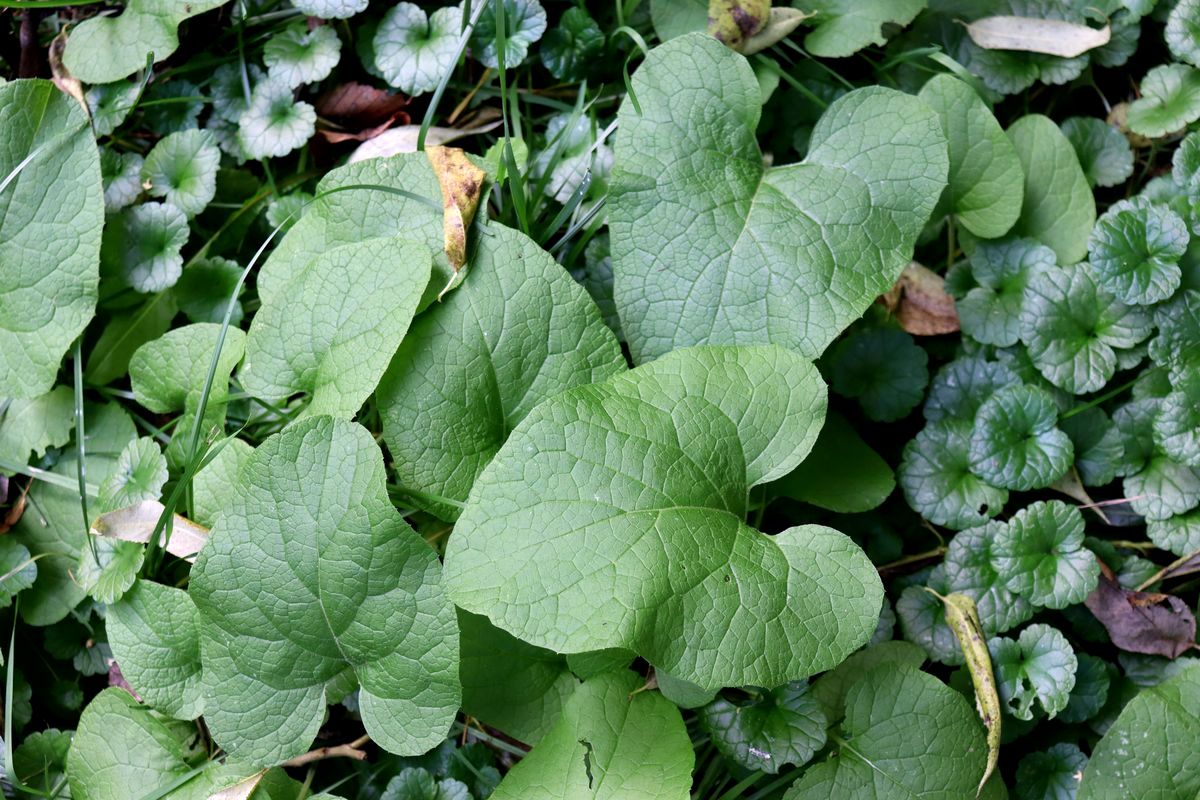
(1153, 747)
(882, 368)
(1162, 488)
(17, 567)
(331, 9)
(1177, 345)
(309, 524)
(1073, 327)
(595, 553)
(104, 49)
(771, 729)
(139, 474)
(960, 388)
(571, 46)
(1059, 210)
(182, 169)
(110, 103)
(923, 619)
(1183, 31)
(122, 176)
(203, 290)
(1179, 534)
(154, 632)
(524, 24)
(274, 123)
(1051, 774)
(413, 52)
(1015, 442)
(1039, 553)
(143, 246)
(1135, 425)
(1185, 163)
(1039, 667)
(986, 184)
(1135, 251)
(969, 570)
(935, 474)
(50, 222)
(1092, 680)
(1098, 448)
(843, 27)
(991, 312)
(168, 374)
(709, 246)
(1170, 100)
(1012, 71)
(1103, 151)
(1177, 426)
(905, 732)
(611, 741)
(311, 335)
(40, 760)
(296, 55)
(108, 571)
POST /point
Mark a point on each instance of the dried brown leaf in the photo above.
(1142, 622)
(919, 302)
(136, 523)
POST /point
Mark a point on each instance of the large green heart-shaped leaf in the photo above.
(30, 425)
(614, 517)
(331, 330)
(609, 744)
(310, 571)
(51, 214)
(711, 247)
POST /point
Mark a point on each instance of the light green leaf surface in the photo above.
(104, 49)
(274, 123)
(204, 289)
(143, 246)
(935, 474)
(709, 246)
(110, 104)
(297, 55)
(182, 169)
(122, 175)
(843, 27)
(1170, 100)
(772, 729)
(1183, 31)
(211, 486)
(609, 744)
(830, 689)
(310, 570)
(1135, 251)
(1016, 443)
(331, 9)
(991, 312)
(524, 24)
(613, 517)
(1103, 151)
(51, 213)
(413, 51)
(18, 570)
(969, 570)
(30, 425)
(332, 329)
(1058, 210)
(987, 183)
(1178, 534)
(1039, 667)
(1039, 552)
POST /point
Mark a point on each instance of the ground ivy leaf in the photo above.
(574, 155)
(508, 684)
(1177, 426)
(104, 49)
(1092, 680)
(40, 760)
(414, 52)
(414, 783)
(203, 290)
(274, 123)
(935, 474)
(771, 729)
(1183, 31)
(168, 374)
(842, 473)
(991, 312)
(154, 632)
(843, 27)
(904, 733)
(830, 689)
(211, 484)
(51, 214)
(1179, 534)
(1177, 345)
(1170, 99)
(1162, 488)
(18, 569)
(882, 368)
(1040, 554)
(742, 265)
(531, 555)
(331, 9)
(524, 24)
(1098, 448)
(1153, 747)
(1073, 327)
(1015, 442)
(569, 48)
(139, 474)
(107, 572)
(518, 331)
(110, 104)
(31, 425)
(297, 55)
(122, 176)
(182, 169)
(1135, 251)
(311, 336)
(961, 387)
(1185, 163)
(143, 246)
(986, 180)
(58, 527)
(969, 570)
(1038, 667)
(1103, 151)
(1051, 774)
(1058, 210)
(609, 743)
(309, 525)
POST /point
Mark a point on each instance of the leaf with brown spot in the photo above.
(462, 185)
(1142, 622)
(734, 22)
(919, 302)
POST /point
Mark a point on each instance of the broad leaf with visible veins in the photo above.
(614, 516)
(711, 247)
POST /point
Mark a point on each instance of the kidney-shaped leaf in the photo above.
(310, 571)
(51, 213)
(614, 517)
(711, 247)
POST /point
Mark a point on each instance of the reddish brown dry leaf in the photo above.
(920, 304)
(115, 678)
(360, 112)
(1142, 622)
(11, 515)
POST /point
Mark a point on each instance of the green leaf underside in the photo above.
(613, 517)
(51, 214)
(310, 570)
(609, 744)
(710, 247)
